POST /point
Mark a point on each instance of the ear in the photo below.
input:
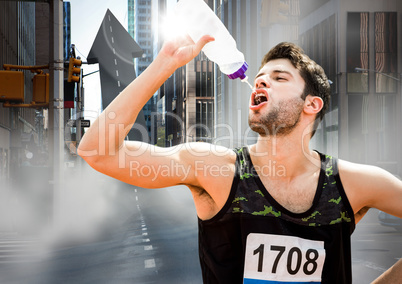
(313, 104)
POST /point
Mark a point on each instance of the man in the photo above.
(274, 211)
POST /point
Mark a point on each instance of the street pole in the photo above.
(56, 104)
(79, 114)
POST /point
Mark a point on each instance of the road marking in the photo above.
(144, 229)
(146, 240)
(145, 234)
(111, 30)
(18, 261)
(117, 73)
(369, 264)
(136, 198)
(149, 263)
(14, 250)
(148, 247)
(16, 242)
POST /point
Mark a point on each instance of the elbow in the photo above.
(89, 156)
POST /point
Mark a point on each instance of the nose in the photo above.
(261, 82)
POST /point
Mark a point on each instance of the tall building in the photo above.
(243, 20)
(186, 100)
(17, 47)
(361, 52)
(140, 27)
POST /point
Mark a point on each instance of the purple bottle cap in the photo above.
(239, 73)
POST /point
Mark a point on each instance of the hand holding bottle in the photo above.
(182, 49)
(197, 19)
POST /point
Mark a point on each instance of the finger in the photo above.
(189, 39)
(183, 40)
(201, 43)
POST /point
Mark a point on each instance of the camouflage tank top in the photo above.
(253, 239)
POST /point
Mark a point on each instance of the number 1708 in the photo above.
(294, 259)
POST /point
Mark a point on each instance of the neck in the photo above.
(289, 153)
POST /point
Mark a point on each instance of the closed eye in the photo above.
(280, 79)
(281, 75)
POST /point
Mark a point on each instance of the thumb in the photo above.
(201, 43)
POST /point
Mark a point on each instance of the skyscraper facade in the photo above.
(360, 51)
(17, 33)
(141, 29)
(186, 99)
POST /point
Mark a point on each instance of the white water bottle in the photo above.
(198, 19)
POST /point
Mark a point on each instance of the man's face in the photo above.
(276, 103)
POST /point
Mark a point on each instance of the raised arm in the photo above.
(392, 276)
(371, 187)
(103, 146)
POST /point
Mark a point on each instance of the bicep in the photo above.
(386, 192)
(371, 187)
(148, 166)
(200, 165)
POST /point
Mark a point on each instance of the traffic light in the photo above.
(41, 88)
(11, 86)
(69, 94)
(74, 70)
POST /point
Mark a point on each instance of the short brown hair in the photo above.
(316, 82)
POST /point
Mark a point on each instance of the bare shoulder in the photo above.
(361, 174)
(214, 170)
(371, 187)
(201, 150)
(350, 168)
(213, 165)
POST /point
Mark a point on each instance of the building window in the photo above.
(204, 119)
(319, 43)
(204, 78)
(357, 47)
(385, 52)
(358, 127)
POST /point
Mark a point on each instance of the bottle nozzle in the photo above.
(245, 80)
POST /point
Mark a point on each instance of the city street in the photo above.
(147, 236)
(152, 238)
(80, 79)
(374, 248)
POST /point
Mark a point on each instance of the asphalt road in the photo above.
(150, 236)
(374, 248)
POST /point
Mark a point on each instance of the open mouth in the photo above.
(259, 97)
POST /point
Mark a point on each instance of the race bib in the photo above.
(282, 259)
